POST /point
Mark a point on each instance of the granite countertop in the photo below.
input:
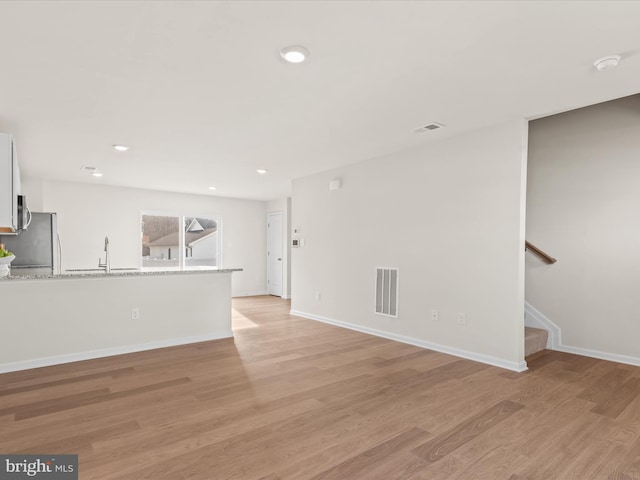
(46, 274)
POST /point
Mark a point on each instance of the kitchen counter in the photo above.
(50, 319)
(46, 274)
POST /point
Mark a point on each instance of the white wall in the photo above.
(582, 207)
(33, 188)
(450, 216)
(87, 213)
(283, 205)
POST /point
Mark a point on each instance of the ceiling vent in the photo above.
(428, 128)
(88, 169)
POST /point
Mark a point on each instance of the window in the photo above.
(180, 241)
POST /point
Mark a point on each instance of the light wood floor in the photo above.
(290, 398)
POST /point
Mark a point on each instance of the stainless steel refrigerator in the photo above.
(38, 246)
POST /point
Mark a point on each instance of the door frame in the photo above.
(283, 246)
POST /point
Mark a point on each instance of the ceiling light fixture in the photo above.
(97, 174)
(261, 171)
(607, 63)
(294, 54)
(212, 188)
(121, 148)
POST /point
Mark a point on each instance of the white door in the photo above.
(274, 254)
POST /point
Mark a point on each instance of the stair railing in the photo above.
(536, 251)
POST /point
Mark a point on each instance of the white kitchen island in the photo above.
(51, 319)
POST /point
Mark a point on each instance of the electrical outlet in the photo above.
(135, 313)
(434, 315)
(462, 318)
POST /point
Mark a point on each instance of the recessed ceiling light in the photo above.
(294, 54)
(261, 171)
(121, 148)
(97, 174)
(212, 188)
(607, 63)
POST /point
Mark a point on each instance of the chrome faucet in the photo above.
(107, 261)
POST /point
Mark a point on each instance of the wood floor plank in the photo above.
(350, 444)
(625, 429)
(293, 399)
(370, 459)
(65, 381)
(613, 405)
(629, 466)
(435, 449)
(181, 438)
(53, 405)
(592, 466)
(76, 443)
(47, 407)
(600, 391)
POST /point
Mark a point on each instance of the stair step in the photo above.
(535, 340)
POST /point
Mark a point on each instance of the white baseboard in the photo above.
(257, 294)
(477, 357)
(612, 357)
(249, 294)
(109, 352)
(534, 318)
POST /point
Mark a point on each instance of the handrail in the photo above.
(535, 250)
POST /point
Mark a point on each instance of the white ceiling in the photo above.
(200, 93)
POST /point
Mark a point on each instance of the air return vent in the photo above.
(387, 291)
(428, 128)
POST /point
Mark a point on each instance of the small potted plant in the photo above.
(6, 257)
